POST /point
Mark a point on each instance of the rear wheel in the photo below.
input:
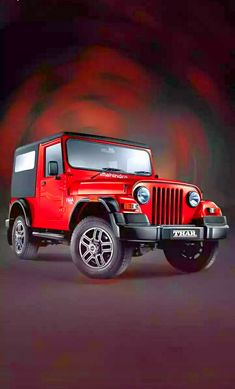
(191, 256)
(23, 244)
(96, 251)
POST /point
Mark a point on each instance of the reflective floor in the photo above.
(150, 328)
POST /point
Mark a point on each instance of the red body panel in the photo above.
(55, 199)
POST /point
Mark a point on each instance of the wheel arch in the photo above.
(20, 207)
(103, 207)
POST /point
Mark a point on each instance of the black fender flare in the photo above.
(111, 206)
(24, 205)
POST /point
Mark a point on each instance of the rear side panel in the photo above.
(23, 182)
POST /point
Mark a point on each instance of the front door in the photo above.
(52, 189)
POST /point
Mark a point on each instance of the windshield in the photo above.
(106, 157)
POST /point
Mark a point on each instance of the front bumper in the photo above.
(207, 228)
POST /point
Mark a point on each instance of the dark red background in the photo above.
(151, 71)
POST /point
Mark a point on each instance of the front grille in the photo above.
(167, 205)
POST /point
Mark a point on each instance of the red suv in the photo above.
(101, 195)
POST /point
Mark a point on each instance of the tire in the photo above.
(127, 257)
(96, 251)
(190, 257)
(23, 245)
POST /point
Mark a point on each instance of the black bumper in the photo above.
(207, 228)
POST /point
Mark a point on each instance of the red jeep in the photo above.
(101, 195)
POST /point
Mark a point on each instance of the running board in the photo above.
(48, 235)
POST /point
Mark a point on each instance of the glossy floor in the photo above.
(150, 328)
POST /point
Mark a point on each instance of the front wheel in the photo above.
(191, 257)
(96, 251)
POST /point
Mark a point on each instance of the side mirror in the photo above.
(53, 168)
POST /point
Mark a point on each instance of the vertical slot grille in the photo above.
(167, 206)
(154, 203)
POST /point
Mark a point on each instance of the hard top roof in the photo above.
(85, 136)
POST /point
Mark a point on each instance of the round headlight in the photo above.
(193, 199)
(142, 195)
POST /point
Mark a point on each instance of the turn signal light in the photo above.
(130, 206)
(211, 210)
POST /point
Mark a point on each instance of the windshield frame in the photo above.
(113, 144)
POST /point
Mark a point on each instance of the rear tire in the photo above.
(23, 244)
(191, 257)
(96, 251)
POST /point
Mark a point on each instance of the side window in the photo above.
(25, 161)
(54, 153)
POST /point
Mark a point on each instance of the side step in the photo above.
(48, 235)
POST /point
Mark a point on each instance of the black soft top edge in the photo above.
(86, 136)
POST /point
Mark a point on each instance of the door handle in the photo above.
(43, 183)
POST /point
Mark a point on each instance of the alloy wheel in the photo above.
(19, 237)
(96, 248)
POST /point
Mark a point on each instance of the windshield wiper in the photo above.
(142, 172)
(108, 169)
(111, 169)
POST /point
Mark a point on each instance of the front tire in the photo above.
(96, 251)
(23, 244)
(191, 257)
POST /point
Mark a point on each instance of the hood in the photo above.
(98, 187)
(165, 182)
(120, 184)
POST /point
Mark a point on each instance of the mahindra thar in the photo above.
(102, 196)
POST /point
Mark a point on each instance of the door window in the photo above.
(54, 153)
